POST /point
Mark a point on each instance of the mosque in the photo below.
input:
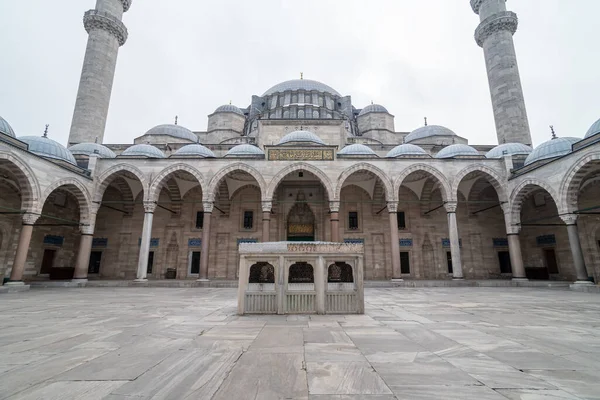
(301, 162)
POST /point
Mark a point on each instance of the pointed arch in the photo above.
(108, 176)
(213, 186)
(77, 189)
(301, 166)
(569, 188)
(491, 175)
(522, 190)
(387, 184)
(28, 184)
(434, 172)
(163, 177)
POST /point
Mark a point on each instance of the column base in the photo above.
(458, 279)
(520, 279)
(397, 280)
(583, 283)
(14, 283)
(140, 280)
(79, 280)
(202, 280)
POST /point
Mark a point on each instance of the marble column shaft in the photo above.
(142, 270)
(457, 272)
(16, 274)
(393, 211)
(83, 256)
(334, 215)
(208, 208)
(516, 257)
(575, 244)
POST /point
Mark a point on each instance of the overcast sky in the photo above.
(186, 57)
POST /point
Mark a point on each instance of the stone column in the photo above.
(575, 243)
(392, 207)
(208, 209)
(266, 228)
(454, 239)
(83, 256)
(16, 274)
(514, 245)
(334, 216)
(320, 282)
(142, 271)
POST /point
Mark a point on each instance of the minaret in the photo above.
(495, 35)
(106, 34)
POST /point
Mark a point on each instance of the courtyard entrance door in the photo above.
(301, 221)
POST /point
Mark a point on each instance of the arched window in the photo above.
(340, 272)
(262, 272)
(301, 272)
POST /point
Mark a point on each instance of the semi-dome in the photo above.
(48, 148)
(301, 136)
(87, 149)
(457, 150)
(594, 129)
(428, 131)
(373, 108)
(357, 150)
(509, 149)
(176, 131)
(245, 150)
(229, 108)
(195, 150)
(143, 150)
(552, 148)
(301, 84)
(6, 128)
(406, 149)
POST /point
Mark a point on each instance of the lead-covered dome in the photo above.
(551, 149)
(48, 148)
(373, 108)
(457, 150)
(594, 129)
(143, 150)
(357, 150)
(245, 150)
(428, 131)
(301, 137)
(301, 84)
(509, 149)
(406, 150)
(176, 131)
(195, 150)
(87, 149)
(6, 128)
(229, 108)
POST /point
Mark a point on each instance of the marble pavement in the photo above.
(425, 343)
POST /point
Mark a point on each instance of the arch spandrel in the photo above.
(77, 189)
(213, 185)
(28, 184)
(323, 178)
(490, 174)
(569, 188)
(107, 177)
(390, 195)
(161, 179)
(445, 187)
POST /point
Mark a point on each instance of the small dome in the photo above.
(357, 150)
(176, 131)
(509, 149)
(301, 84)
(195, 150)
(406, 149)
(428, 131)
(594, 129)
(6, 128)
(245, 150)
(229, 108)
(301, 136)
(143, 150)
(373, 108)
(48, 148)
(552, 148)
(87, 149)
(456, 150)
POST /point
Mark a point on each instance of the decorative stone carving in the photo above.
(126, 5)
(569, 219)
(450, 206)
(392, 206)
(267, 206)
(95, 19)
(504, 21)
(208, 206)
(334, 206)
(30, 219)
(149, 206)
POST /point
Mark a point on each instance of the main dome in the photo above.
(6, 128)
(301, 84)
(48, 148)
(428, 131)
(176, 131)
(301, 136)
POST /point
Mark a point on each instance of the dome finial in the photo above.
(372, 102)
(176, 119)
(425, 121)
(46, 131)
(553, 132)
(229, 102)
(301, 75)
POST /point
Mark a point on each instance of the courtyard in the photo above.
(425, 343)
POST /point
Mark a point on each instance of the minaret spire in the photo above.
(495, 35)
(106, 34)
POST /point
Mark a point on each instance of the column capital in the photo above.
(101, 20)
(30, 219)
(87, 229)
(392, 206)
(149, 206)
(569, 219)
(334, 206)
(267, 206)
(208, 206)
(451, 206)
(502, 21)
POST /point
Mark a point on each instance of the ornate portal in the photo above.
(301, 221)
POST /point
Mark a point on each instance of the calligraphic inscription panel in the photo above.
(300, 155)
